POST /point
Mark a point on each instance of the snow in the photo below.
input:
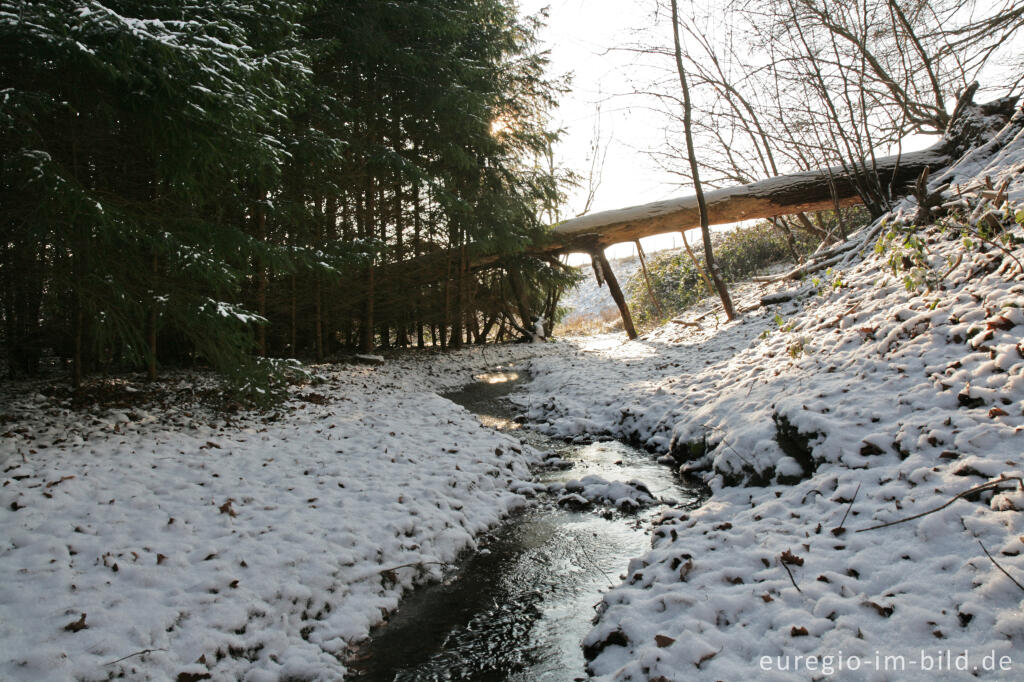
(587, 299)
(240, 546)
(150, 537)
(890, 403)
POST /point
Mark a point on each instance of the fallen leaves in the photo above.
(1000, 322)
(788, 557)
(77, 625)
(883, 611)
(226, 508)
(192, 677)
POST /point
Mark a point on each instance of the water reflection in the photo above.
(519, 608)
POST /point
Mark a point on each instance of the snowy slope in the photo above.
(589, 300)
(869, 403)
(194, 546)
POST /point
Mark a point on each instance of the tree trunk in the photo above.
(151, 323)
(294, 314)
(702, 207)
(616, 292)
(261, 277)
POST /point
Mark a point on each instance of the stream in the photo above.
(520, 605)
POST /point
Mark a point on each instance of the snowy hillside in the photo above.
(590, 300)
(864, 444)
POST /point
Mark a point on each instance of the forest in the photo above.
(224, 185)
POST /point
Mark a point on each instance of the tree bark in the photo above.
(702, 207)
(616, 292)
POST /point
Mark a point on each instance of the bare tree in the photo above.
(705, 229)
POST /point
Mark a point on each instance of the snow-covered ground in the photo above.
(149, 537)
(816, 422)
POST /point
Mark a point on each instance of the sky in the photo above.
(591, 39)
(582, 36)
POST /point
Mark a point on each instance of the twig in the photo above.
(790, 574)
(1003, 249)
(726, 444)
(1000, 567)
(149, 651)
(415, 563)
(586, 555)
(959, 258)
(841, 523)
(976, 489)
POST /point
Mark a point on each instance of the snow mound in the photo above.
(593, 489)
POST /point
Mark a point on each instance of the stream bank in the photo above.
(519, 607)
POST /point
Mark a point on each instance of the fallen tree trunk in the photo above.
(971, 126)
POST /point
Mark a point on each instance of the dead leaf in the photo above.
(58, 482)
(160, 558)
(1000, 322)
(77, 625)
(192, 677)
(798, 632)
(226, 508)
(997, 412)
(788, 557)
(705, 658)
(663, 641)
(883, 611)
(685, 569)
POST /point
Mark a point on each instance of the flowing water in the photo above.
(519, 607)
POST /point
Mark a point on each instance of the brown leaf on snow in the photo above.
(209, 444)
(705, 658)
(883, 611)
(997, 412)
(160, 558)
(788, 557)
(226, 508)
(685, 569)
(767, 598)
(58, 482)
(192, 677)
(663, 641)
(798, 632)
(1000, 322)
(77, 625)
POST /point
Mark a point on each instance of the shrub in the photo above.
(677, 284)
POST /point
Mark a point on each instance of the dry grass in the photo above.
(607, 320)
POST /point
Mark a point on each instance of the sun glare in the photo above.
(500, 126)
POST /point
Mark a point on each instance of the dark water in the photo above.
(518, 608)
